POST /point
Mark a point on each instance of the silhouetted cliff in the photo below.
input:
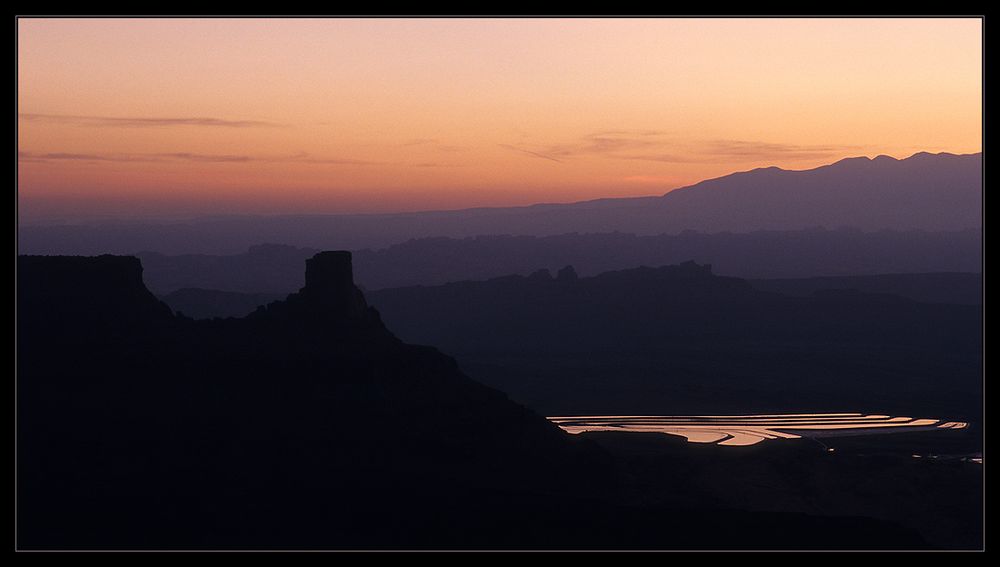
(222, 422)
(106, 293)
(306, 424)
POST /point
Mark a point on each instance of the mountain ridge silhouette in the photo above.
(925, 191)
(273, 269)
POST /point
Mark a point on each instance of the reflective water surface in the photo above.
(740, 430)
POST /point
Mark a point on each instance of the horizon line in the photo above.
(180, 218)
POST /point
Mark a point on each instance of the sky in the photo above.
(146, 118)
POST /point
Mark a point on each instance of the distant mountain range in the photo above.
(941, 287)
(932, 192)
(275, 269)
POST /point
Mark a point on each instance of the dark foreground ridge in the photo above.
(680, 340)
(308, 425)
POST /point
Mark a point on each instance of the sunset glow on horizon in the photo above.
(127, 118)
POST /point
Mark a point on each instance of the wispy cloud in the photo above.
(530, 153)
(667, 157)
(419, 142)
(59, 156)
(303, 157)
(435, 143)
(183, 157)
(144, 122)
(609, 144)
(601, 143)
(435, 164)
(657, 145)
(212, 158)
(648, 179)
(632, 133)
(756, 150)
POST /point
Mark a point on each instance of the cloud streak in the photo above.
(435, 164)
(33, 157)
(60, 156)
(530, 153)
(654, 145)
(144, 122)
(433, 142)
(754, 150)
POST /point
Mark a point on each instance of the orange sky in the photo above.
(134, 118)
